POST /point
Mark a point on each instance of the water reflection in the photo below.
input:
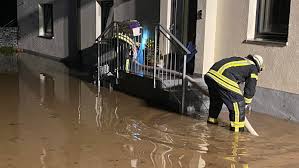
(155, 131)
(79, 105)
(99, 109)
(237, 151)
(43, 155)
(46, 89)
(59, 121)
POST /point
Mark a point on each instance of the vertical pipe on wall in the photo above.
(184, 84)
(155, 55)
(117, 51)
(99, 84)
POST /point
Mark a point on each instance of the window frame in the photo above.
(268, 36)
(42, 18)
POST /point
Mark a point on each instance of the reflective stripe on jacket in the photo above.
(125, 38)
(229, 72)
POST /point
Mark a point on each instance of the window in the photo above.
(272, 20)
(46, 20)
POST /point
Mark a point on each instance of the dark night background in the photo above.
(8, 12)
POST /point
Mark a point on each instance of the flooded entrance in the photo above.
(52, 120)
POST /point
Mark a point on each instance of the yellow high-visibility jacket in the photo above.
(230, 72)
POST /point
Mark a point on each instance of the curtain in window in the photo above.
(48, 19)
(273, 16)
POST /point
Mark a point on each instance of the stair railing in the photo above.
(162, 59)
(107, 59)
(170, 55)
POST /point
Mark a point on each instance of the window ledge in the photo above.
(47, 37)
(266, 42)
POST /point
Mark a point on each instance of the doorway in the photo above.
(183, 24)
(106, 6)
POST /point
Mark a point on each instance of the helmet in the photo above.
(258, 60)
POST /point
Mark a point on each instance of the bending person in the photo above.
(223, 81)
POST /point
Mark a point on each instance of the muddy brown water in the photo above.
(61, 122)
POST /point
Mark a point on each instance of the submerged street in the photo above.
(62, 122)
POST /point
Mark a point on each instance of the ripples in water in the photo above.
(63, 122)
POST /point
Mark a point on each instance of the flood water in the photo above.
(62, 122)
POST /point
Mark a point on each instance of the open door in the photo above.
(106, 7)
(183, 24)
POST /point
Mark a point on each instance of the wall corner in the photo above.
(206, 35)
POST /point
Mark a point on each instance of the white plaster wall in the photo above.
(98, 20)
(88, 16)
(205, 35)
(200, 30)
(165, 12)
(281, 62)
(165, 20)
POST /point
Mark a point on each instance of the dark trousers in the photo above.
(234, 102)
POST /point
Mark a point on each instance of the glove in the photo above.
(248, 108)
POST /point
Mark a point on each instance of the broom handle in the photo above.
(249, 128)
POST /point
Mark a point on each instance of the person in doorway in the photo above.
(223, 81)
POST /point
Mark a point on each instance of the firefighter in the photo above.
(223, 81)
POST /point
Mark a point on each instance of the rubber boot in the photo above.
(212, 121)
(241, 129)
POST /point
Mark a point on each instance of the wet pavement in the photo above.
(62, 122)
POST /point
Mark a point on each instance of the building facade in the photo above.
(219, 29)
(60, 28)
(268, 28)
(48, 27)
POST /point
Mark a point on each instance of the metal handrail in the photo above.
(12, 21)
(15, 19)
(168, 33)
(106, 30)
(118, 59)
